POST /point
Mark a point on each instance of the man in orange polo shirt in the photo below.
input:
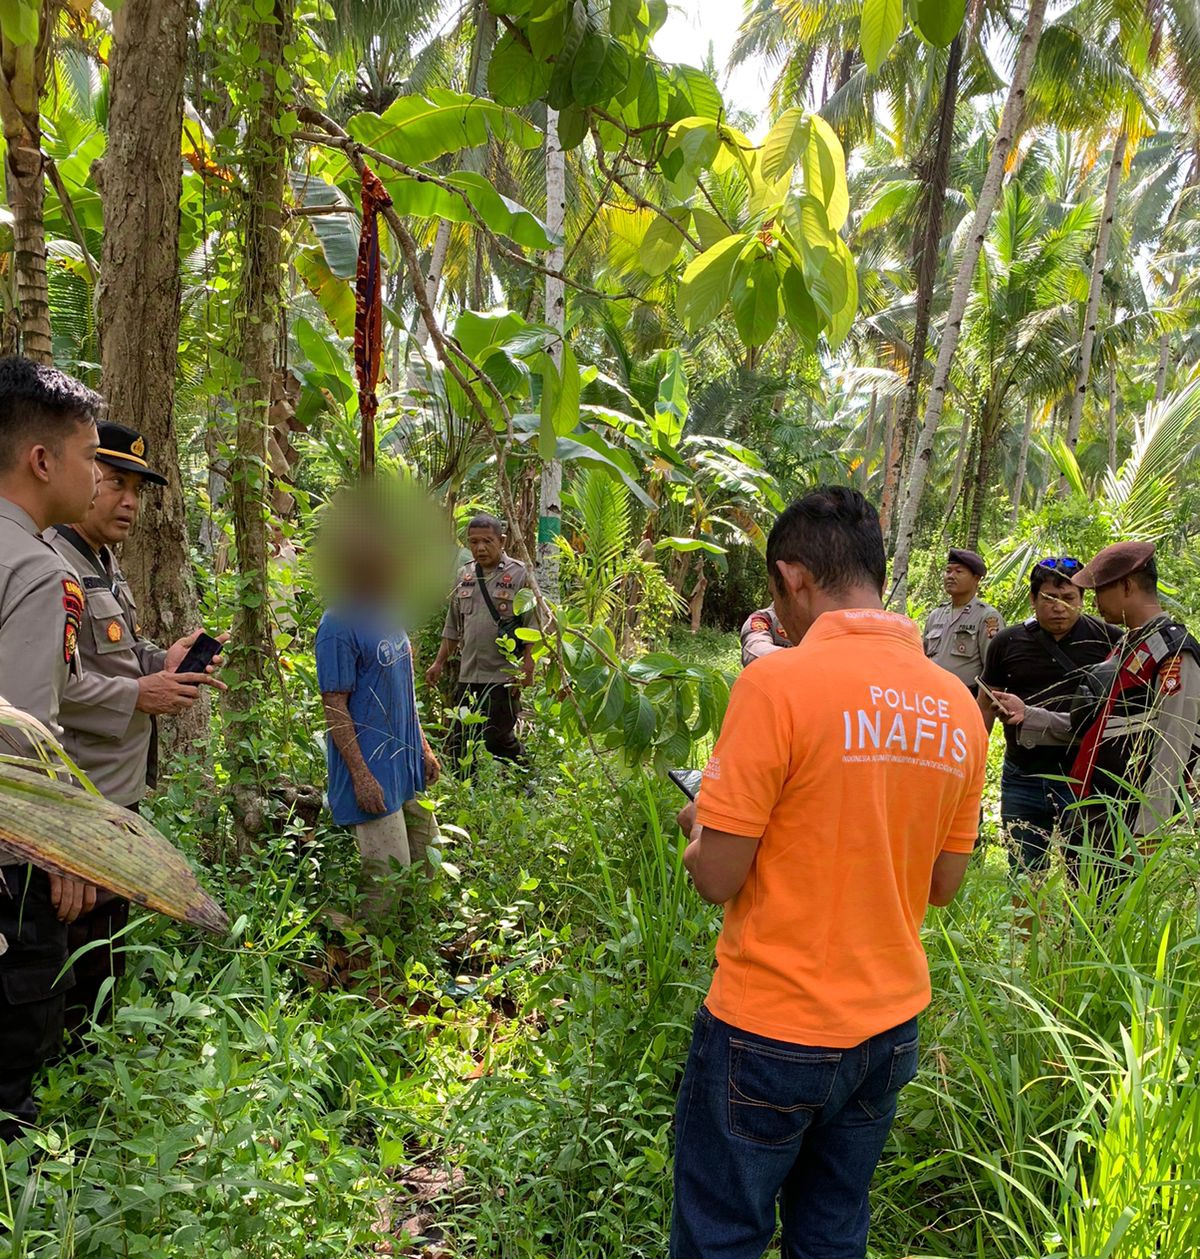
(841, 799)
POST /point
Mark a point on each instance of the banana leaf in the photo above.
(63, 828)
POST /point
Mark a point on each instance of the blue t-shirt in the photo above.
(361, 652)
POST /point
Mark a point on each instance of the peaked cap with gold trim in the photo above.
(125, 448)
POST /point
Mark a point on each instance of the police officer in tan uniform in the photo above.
(47, 473)
(762, 634)
(480, 617)
(959, 632)
(108, 713)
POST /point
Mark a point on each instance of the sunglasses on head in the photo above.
(1060, 563)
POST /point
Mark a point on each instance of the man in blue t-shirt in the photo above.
(378, 757)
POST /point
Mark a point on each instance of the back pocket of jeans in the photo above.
(902, 1070)
(775, 1093)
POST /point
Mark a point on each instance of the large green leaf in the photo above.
(786, 143)
(825, 171)
(418, 129)
(600, 71)
(515, 75)
(423, 199)
(337, 233)
(938, 21)
(755, 299)
(671, 406)
(882, 21)
(706, 281)
(660, 246)
(335, 295)
(19, 22)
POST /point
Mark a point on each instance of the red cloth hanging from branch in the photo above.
(368, 315)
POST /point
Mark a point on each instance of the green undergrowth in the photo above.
(500, 1071)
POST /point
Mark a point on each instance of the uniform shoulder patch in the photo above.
(991, 626)
(72, 601)
(759, 624)
(114, 632)
(1169, 680)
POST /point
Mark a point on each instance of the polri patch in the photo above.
(992, 625)
(1169, 680)
(759, 625)
(72, 601)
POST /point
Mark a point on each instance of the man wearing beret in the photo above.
(959, 632)
(108, 711)
(762, 634)
(1138, 740)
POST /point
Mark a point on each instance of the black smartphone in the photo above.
(687, 780)
(200, 654)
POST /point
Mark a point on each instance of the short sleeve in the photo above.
(750, 764)
(453, 628)
(37, 643)
(964, 828)
(337, 657)
(993, 661)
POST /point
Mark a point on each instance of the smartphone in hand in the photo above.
(996, 704)
(200, 655)
(687, 780)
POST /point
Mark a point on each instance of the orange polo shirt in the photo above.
(855, 761)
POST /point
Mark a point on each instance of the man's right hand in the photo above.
(368, 793)
(168, 694)
(433, 673)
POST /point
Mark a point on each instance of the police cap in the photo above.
(125, 448)
(1113, 563)
(969, 560)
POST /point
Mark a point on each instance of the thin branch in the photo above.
(69, 209)
(643, 203)
(344, 142)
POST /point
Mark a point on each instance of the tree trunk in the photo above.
(1022, 464)
(1164, 347)
(1006, 136)
(1112, 415)
(139, 179)
(433, 277)
(927, 250)
(22, 81)
(960, 465)
(1095, 287)
(550, 498)
(259, 311)
(987, 446)
(891, 440)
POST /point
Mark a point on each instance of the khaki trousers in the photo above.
(403, 837)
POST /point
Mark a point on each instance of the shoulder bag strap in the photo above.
(487, 598)
(1056, 653)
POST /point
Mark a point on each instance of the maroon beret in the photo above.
(969, 560)
(1113, 563)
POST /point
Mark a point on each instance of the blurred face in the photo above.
(485, 546)
(72, 473)
(959, 582)
(115, 507)
(1110, 601)
(1057, 605)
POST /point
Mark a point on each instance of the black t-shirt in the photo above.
(1019, 662)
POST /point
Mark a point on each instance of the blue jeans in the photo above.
(1030, 808)
(761, 1120)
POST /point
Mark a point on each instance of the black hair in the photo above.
(834, 532)
(1040, 576)
(1147, 576)
(39, 403)
(485, 520)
